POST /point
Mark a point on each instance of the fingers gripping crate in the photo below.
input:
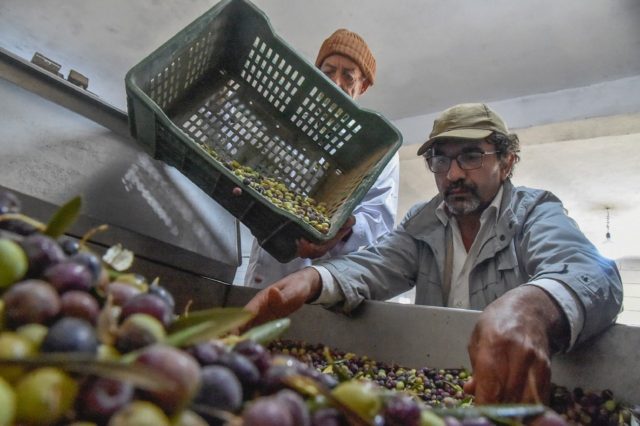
(226, 91)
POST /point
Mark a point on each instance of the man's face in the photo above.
(346, 74)
(469, 192)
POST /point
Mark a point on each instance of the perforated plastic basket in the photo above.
(227, 82)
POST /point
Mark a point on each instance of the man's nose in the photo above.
(339, 81)
(455, 171)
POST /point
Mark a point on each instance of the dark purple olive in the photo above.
(327, 417)
(70, 335)
(267, 411)
(31, 301)
(297, 407)
(220, 389)
(208, 352)
(91, 261)
(80, 304)
(100, 397)
(257, 353)
(42, 252)
(164, 294)
(68, 275)
(243, 368)
(69, 245)
(401, 410)
(149, 304)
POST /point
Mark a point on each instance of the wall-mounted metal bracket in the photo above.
(42, 77)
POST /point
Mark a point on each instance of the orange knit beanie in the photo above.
(351, 45)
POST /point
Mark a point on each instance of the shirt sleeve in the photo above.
(376, 213)
(569, 303)
(331, 293)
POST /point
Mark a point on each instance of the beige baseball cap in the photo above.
(465, 121)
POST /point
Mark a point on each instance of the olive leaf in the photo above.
(206, 324)
(139, 376)
(225, 316)
(118, 258)
(511, 410)
(198, 333)
(64, 217)
(267, 332)
(500, 412)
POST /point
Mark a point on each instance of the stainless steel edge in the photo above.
(424, 336)
(56, 89)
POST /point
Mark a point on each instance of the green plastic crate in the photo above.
(229, 82)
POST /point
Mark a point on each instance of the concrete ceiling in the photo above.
(538, 62)
(431, 53)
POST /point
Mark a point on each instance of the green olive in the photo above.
(13, 262)
(7, 403)
(44, 396)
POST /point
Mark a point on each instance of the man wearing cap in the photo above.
(345, 58)
(481, 244)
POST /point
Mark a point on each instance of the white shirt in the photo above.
(463, 260)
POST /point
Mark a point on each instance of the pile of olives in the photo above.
(306, 208)
(60, 299)
(435, 387)
(591, 407)
(444, 387)
(61, 304)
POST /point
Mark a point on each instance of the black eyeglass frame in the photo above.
(428, 159)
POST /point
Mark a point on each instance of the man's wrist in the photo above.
(315, 284)
(568, 302)
(537, 304)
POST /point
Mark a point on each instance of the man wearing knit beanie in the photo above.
(344, 58)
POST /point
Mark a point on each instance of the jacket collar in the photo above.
(424, 225)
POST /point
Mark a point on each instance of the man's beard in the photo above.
(458, 207)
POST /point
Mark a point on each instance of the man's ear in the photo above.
(507, 165)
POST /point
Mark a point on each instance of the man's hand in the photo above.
(285, 296)
(309, 250)
(511, 346)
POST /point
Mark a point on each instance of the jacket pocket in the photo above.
(429, 289)
(488, 283)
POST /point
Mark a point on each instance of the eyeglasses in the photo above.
(348, 79)
(466, 161)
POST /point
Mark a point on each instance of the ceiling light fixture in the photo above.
(608, 247)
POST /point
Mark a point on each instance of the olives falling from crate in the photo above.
(301, 206)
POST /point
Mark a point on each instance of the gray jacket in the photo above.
(532, 239)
